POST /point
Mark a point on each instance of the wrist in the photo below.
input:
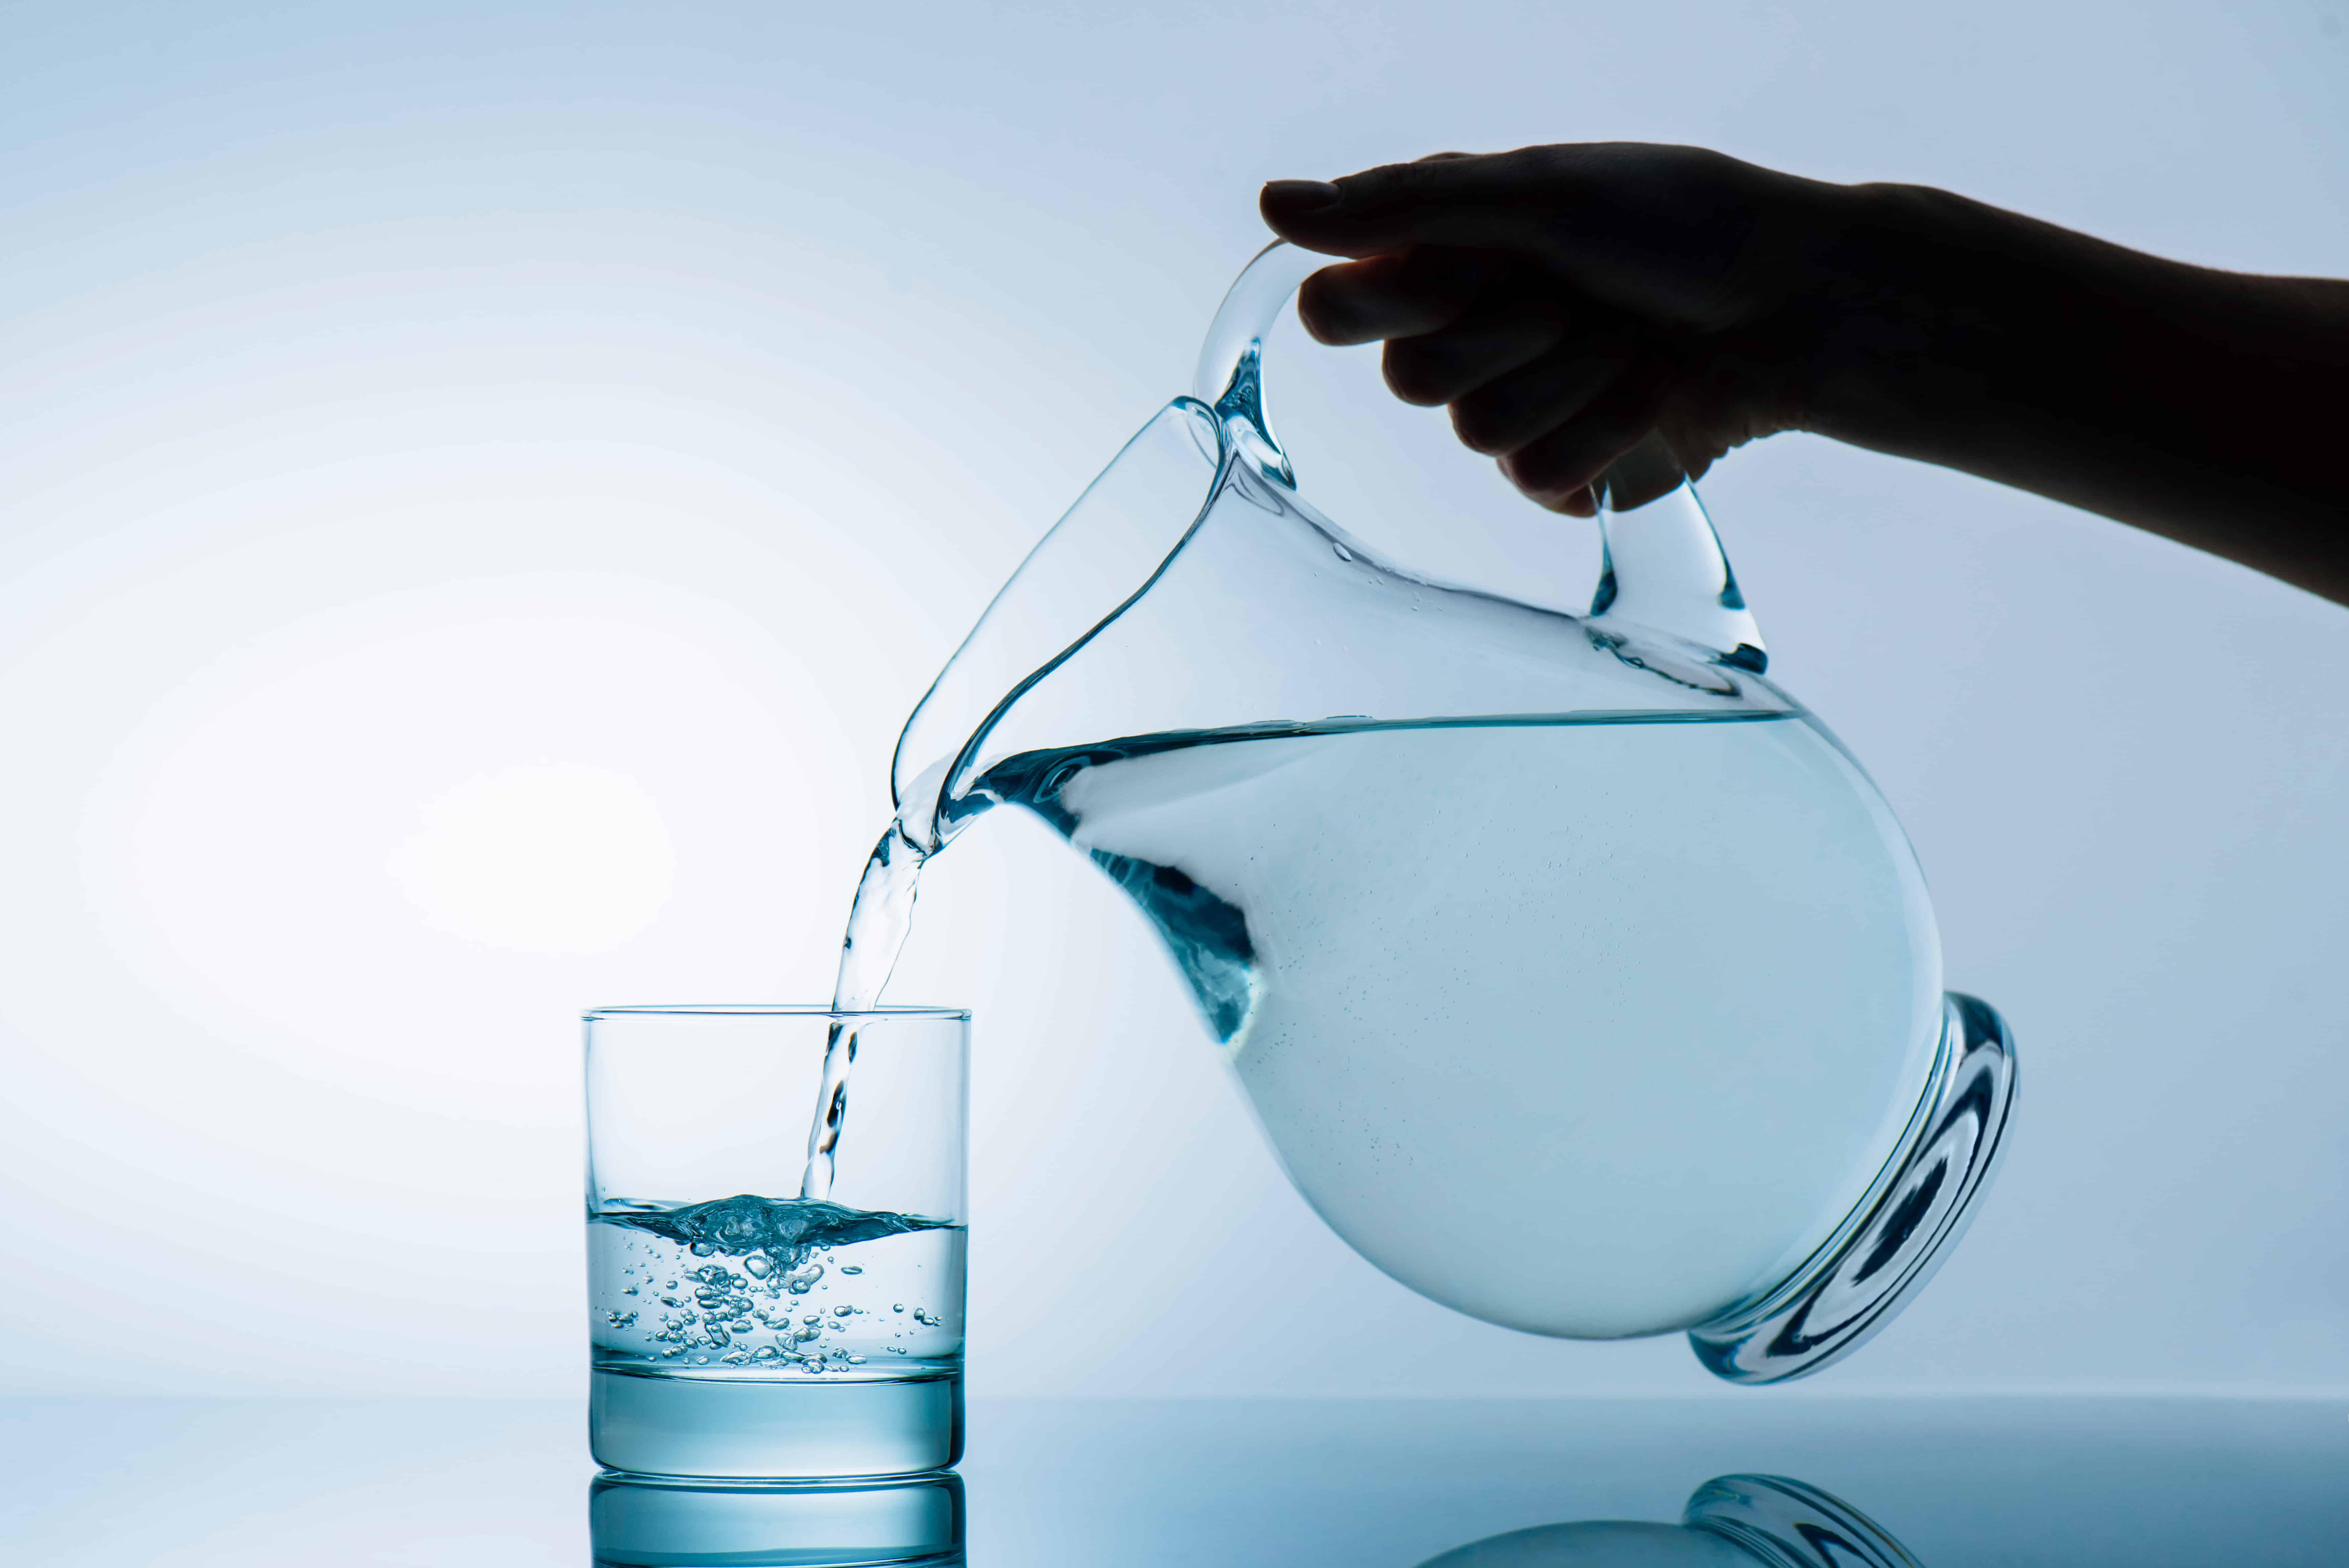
(1884, 320)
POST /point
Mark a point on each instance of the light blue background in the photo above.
(480, 486)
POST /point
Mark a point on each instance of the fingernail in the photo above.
(1300, 195)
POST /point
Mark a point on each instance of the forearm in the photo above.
(2200, 404)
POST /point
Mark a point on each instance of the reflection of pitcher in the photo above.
(1731, 1522)
(1580, 979)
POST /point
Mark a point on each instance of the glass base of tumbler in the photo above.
(748, 1429)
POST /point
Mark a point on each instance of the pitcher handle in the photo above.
(1662, 569)
(1251, 307)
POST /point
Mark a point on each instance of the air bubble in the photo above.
(757, 1266)
(853, 1269)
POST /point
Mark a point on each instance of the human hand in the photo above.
(1572, 303)
(1625, 314)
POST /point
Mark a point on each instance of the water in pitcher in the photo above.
(1467, 974)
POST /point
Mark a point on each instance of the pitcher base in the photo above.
(1854, 1285)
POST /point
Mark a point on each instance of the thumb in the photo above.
(1476, 201)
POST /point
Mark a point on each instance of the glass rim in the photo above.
(772, 1010)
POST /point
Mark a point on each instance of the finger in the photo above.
(1651, 469)
(1473, 199)
(1441, 365)
(1558, 468)
(1400, 295)
(1511, 411)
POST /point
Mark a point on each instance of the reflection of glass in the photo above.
(740, 1329)
(1731, 1522)
(638, 1522)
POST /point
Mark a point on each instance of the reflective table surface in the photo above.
(130, 1483)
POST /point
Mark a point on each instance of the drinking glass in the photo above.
(751, 1319)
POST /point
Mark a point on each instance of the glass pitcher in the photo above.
(1579, 978)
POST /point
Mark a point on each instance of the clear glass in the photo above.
(739, 1328)
(916, 1522)
(1580, 978)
